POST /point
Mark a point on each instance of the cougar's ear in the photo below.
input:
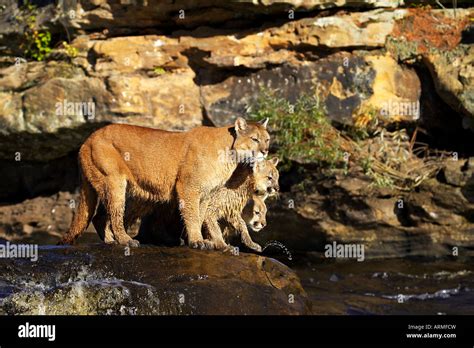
(240, 125)
(264, 122)
(274, 161)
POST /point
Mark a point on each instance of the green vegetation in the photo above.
(71, 51)
(39, 45)
(301, 131)
(36, 43)
(158, 70)
(379, 179)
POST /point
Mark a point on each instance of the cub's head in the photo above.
(252, 139)
(266, 177)
(255, 213)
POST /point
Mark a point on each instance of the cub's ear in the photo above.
(240, 125)
(264, 122)
(274, 161)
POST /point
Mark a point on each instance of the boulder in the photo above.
(458, 173)
(40, 220)
(453, 73)
(324, 208)
(125, 17)
(100, 279)
(347, 84)
(99, 14)
(48, 109)
(437, 38)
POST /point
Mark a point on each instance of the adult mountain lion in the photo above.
(120, 161)
(260, 178)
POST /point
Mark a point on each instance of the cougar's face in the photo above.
(266, 177)
(255, 213)
(252, 140)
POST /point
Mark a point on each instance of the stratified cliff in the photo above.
(180, 64)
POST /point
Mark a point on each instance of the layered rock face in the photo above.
(177, 65)
(190, 77)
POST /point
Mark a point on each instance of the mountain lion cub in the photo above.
(235, 205)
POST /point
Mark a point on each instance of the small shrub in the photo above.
(71, 51)
(301, 132)
(36, 43)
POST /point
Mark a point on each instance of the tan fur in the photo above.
(146, 166)
(255, 213)
(228, 203)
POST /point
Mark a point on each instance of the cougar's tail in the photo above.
(86, 208)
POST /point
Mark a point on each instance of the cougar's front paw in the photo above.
(255, 247)
(133, 243)
(231, 250)
(109, 239)
(249, 243)
(221, 246)
(208, 245)
(197, 244)
(127, 241)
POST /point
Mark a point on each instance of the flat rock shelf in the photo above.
(102, 279)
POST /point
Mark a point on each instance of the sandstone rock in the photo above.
(170, 101)
(284, 43)
(436, 36)
(43, 125)
(388, 223)
(10, 104)
(99, 279)
(50, 112)
(252, 48)
(106, 14)
(116, 17)
(366, 29)
(347, 84)
(40, 220)
(166, 81)
(453, 73)
(461, 174)
(457, 173)
(128, 54)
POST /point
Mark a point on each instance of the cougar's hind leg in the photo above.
(115, 206)
(102, 224)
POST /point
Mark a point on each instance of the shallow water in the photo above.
(411, 286)
(391, 286)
